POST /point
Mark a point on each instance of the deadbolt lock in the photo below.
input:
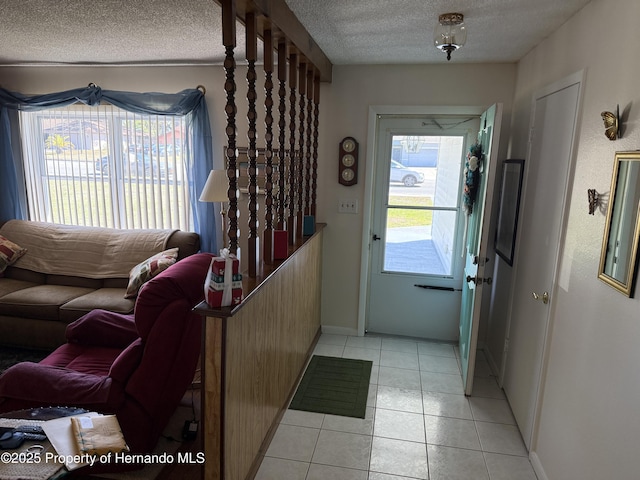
(478, 281)
(476, 260)
(544, 297)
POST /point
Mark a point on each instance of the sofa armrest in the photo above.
(102, 328)
(34, 382)
(188, 243)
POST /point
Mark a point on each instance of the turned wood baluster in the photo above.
(302, 88)
(252, 55)
(291, 228)
(229, 42)
(307, 169)
(316, 123)
(282, 124)
(267, 237)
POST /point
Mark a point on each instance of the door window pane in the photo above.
(422, 204)
(420, 241)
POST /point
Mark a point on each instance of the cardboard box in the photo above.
(214, 297)
(280, 244)
(308, 225)
(218, 266)
(219, 285)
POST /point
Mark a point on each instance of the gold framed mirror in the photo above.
(619, 258)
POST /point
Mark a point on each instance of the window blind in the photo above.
(103, 166)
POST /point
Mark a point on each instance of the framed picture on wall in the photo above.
(510, 189)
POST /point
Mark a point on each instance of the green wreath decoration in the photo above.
(472, 177)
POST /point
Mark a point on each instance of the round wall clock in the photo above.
(348, 162)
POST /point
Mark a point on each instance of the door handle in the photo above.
(375, 237)
(478, 281)
(544, 297)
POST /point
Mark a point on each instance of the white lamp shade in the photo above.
(217, 187)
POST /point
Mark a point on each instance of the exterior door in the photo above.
(476, 244)
(415, 272)
(550, 159)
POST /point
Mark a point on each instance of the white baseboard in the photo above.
(537, 466)
(331, 330)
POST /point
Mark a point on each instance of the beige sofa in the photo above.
(68, 271)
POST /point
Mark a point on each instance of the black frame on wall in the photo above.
(510, 190)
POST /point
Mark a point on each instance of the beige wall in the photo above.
(589, 424)
(344, 110)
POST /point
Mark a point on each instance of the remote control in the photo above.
(29, 429)
(32, 432)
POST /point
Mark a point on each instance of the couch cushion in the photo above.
(25, 275)
(71, 281)
(9, 285)
(111, 299)
(103, 328)
(92, 360)
(115, 283)
(9, 253)
(41, 301)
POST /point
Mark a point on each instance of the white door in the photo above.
(415, 273)
(477, 242)
(554, 120)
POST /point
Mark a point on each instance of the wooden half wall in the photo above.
(253, 356)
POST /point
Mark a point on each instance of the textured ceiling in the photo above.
(348, 31)
(401, 31)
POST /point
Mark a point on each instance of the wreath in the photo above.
(472, 176)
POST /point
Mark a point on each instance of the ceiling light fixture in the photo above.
(450, 33)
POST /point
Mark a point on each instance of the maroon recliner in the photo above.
(136, 366)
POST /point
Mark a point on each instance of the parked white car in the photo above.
(404, 175)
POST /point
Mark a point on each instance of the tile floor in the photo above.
(418, 425)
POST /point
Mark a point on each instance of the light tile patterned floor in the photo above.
(418, 424)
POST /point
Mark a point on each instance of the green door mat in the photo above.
(337, 386)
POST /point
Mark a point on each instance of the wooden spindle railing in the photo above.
(302, 89)
(251, 56)
(229, 42)
(293, 163)
(233, 453)
(282, 126)
(307, 156)
(267, 237)
(316, 123)
(295, 194)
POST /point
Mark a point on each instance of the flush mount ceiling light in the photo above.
(450, 33)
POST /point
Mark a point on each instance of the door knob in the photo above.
(544, 297)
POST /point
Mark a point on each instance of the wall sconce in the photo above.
(612, 124)
(450, 33)
(594, 200)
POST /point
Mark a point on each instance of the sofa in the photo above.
(63, 272)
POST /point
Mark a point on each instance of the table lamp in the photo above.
(216, 190)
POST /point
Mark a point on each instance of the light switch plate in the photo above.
(348, 205)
